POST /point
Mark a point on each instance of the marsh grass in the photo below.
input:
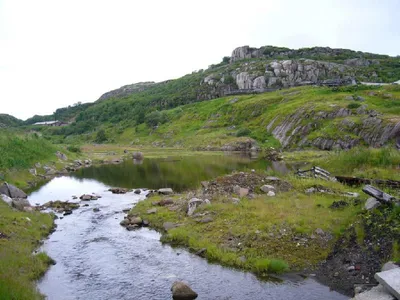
(19, 268)
(261, 234)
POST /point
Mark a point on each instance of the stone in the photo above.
(193, 204)
(390, 280)
(86, 197)
(241, 192)
(235, 200)
(137, 191)
(96, 209)
(271, 194)
(6, 199)
(61, 155)
(137, 155)
(165, 202)
(12, 191)
(67, 212)
(38, 165)
(371, 203)
(145, 223)
(266, 188)
(182, 291)
(207, 219)
(151, 211)
(376, 293)
(319, 231)
(33, 171)
(165, 191)
(168, 225)
(118, 190)
(124, 222)
(20, 203)
(389, 266)
(135, 221)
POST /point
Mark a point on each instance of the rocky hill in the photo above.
(250, 71)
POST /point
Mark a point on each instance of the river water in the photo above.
(98, 259)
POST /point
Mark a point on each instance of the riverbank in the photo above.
(308, 226)
(20, 265)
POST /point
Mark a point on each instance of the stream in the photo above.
(99, 259)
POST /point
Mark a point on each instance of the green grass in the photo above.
(22, 151)
(261, 234)
(19, 268)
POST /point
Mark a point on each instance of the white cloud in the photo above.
(56, 53)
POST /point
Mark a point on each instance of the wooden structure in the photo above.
(316, 172)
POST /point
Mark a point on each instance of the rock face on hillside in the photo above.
(253, 76)
(296, 129)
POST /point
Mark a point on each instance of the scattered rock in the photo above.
(87, 197)
(118, 190)
(61, 155)
(135, 221)
(182, 291)
(137, 191)
(389, 266)
(241, 192)
(33, 172)
(339, 204)
(235, 200)
(267, 188)
(96, 209)
(319, 231)
(165, 202)
(138, 155)
(145, 223)
(20, 204)
(371, 203)
(271, 194)
(193, 204)
(207, 219)
(67, 212)
(152, 211)
(168, 225)
(165, 191)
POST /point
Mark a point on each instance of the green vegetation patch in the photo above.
(20, 234)
(264, 234)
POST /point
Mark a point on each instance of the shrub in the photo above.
(353, 105)
(101, 136)
(155, 118)
(243, 132)
(74, 149)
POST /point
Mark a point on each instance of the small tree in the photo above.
(101, 136)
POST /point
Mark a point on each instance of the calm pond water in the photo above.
(98, 259)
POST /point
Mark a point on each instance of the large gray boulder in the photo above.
(12, 191)
(20, 204)
(371, 203)
(165, 191)
(182, 291)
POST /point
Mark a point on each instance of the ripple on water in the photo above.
(98, 259)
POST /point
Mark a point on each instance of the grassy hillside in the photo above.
(132, 105)
(231, 119)
(9, 121)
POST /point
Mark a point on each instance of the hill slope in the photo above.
(248, 71)
(9, 121)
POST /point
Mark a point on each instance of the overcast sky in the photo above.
(54, 53)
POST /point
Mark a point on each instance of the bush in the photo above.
(353, 105)
(74, 149)
(101, 136)
(243, 132)
(155, 118)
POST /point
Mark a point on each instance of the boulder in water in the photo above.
(182, 291)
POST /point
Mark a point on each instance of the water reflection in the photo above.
(177, 172)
